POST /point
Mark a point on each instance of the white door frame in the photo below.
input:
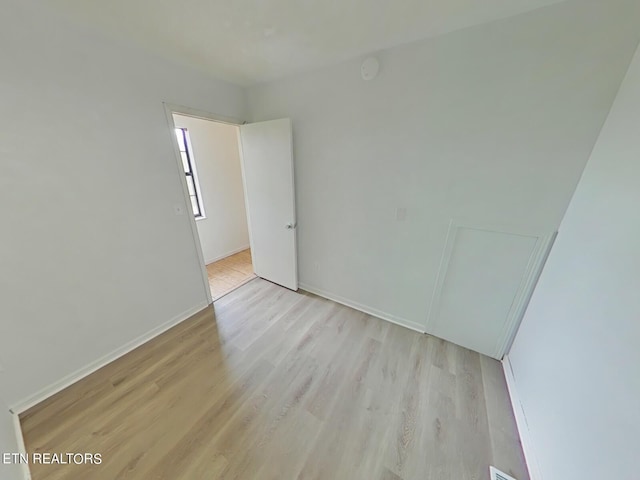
(169, 110)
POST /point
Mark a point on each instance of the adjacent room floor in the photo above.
(229, 273)
(273, 384)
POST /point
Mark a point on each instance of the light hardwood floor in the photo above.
(272, 384)
(229, 273)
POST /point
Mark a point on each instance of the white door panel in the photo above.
(485, 282)
(267, 163)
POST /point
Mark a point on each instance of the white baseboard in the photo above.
(363, 308)
(22, 450)
(24, 405)
(225, 255)
(521, 421)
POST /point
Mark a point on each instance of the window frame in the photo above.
(191, 175)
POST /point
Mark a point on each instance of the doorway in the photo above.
(210, 156)
(238, 183)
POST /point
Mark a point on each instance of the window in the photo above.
(189, 170)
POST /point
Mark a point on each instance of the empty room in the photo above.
(319, 240)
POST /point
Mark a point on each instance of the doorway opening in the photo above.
(238, 184)
(210, 156)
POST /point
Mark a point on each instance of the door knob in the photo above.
(290, 226)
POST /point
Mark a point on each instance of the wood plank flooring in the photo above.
(229, 273)
(272, 384)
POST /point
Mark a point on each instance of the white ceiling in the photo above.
(249, 41)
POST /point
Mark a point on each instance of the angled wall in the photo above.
(575, 360)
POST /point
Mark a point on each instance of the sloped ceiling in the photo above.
(250, 41)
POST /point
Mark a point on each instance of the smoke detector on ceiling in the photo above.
(370, 68)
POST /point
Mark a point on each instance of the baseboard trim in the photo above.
(225, 255)
(521, 421)
(68, 380)
(363, 308)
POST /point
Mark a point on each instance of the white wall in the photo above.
(576, 358)
(224, 231)
(91, 252)
(8, 445)
(490, 125)
(8, 439)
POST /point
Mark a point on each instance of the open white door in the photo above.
(267, 164)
